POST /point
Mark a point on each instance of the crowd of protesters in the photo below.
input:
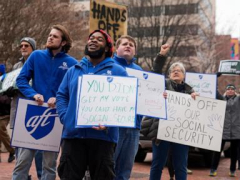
(108, 153)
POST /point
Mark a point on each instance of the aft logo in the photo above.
(64, 66)
(109, 72)
(39, 121)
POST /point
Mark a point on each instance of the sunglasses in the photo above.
(24, 45)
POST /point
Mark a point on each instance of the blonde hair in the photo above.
(130, 38)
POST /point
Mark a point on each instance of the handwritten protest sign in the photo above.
(204, 84)
(36, 127)
(108, 16)
(107, 100)
(10, 79)
(150, 93)
(197, 123)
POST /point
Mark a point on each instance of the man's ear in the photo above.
(106, 49)
(63, 43)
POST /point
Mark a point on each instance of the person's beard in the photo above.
(53, 47)
(94, 54)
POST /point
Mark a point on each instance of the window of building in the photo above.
(149, 11)
(181, 9)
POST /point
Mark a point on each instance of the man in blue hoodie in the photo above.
(87, 147)
(128, 137)
(46, 68)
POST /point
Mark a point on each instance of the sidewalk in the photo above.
(6, 169)
(140, 171)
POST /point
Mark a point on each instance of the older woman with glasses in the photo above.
(161, 148)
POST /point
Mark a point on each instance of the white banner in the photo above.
(107, 100)
(36, 127)
(10, 79)
(150, 93)
(197, 123)
(204, 84)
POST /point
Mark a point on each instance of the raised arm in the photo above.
(161, 59)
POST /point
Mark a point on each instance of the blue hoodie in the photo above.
(67, 99)
(2, 71)
(46, 72)
(123, 63)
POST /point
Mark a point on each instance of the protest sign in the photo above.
(10, 80)
(36, 127)
(229, 67)
(107, 100)
(204, 84)
(197, 123)
(150, 93)
(108, 16)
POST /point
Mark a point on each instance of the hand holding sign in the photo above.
(100, 127)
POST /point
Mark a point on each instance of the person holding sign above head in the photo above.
(87, 147)
(128, 137)
(161, 148)
(231, 131)
(46, 68)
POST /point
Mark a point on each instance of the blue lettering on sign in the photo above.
(39, 120)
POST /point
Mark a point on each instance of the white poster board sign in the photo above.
(107, 100)
(150, 93)
(10, 79)
(197, 123)
(204, 84)
(36, 127)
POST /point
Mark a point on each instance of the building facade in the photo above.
(186, 25)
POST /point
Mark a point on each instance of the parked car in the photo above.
(145, 146)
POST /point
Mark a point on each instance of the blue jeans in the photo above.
(38, 162)
(125, 153)
(24, 162)
(160, 154)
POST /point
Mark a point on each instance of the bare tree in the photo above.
(34, 18)
(179, 23)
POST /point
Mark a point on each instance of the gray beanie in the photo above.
(31, 41)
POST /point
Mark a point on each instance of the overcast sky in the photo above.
(228, 17)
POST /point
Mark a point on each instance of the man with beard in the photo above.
(87, 147)
(46, 68)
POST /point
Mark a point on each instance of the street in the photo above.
(141, 170)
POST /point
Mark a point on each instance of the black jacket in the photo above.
(5, 102)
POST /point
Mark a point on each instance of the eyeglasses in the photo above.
(24, 45)
(177, 71)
